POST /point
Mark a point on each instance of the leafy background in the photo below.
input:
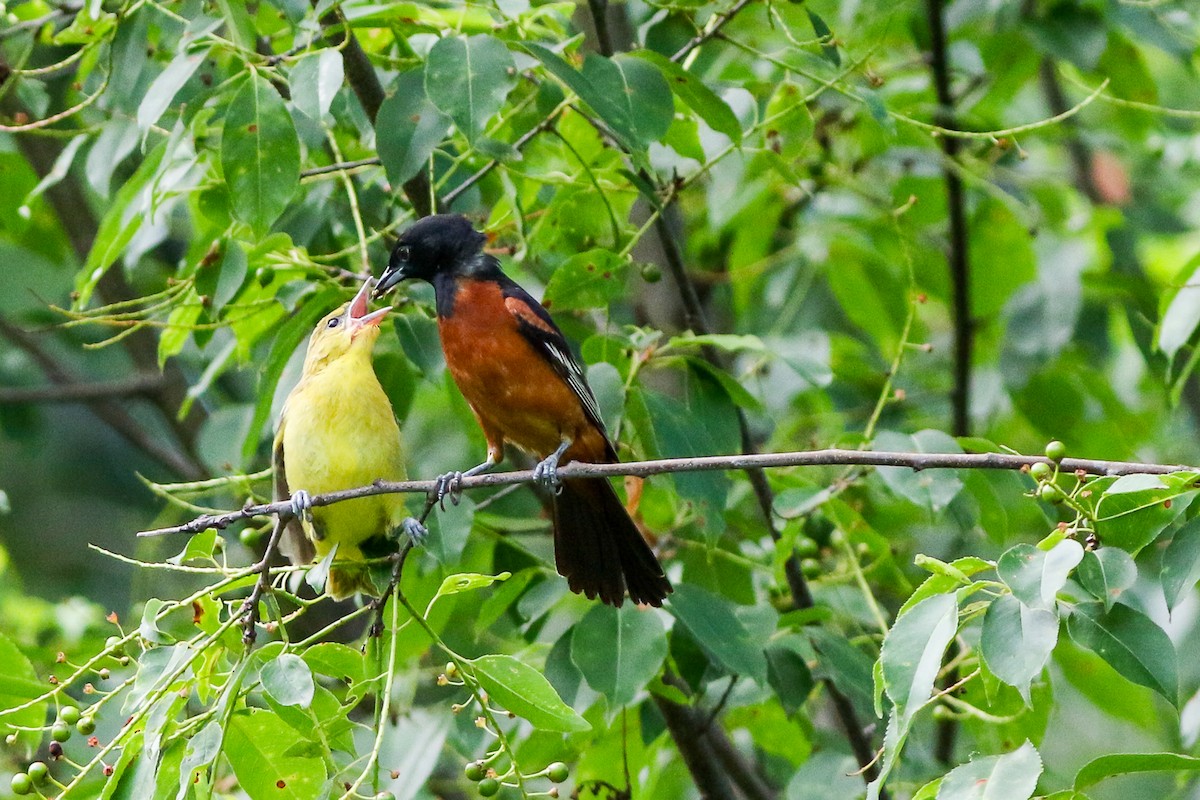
(855, 206)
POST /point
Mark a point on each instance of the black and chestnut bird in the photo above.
(516, 371)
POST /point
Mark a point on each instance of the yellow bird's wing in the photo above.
(292, 542)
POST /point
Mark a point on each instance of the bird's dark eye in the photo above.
(403, 252)
(333, 323)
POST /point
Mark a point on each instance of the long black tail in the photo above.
(599, 550)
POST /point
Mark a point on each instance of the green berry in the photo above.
(21, 783)
(557, 772)
(1040, 471)
(651, 273)
(1050, 493)
(385, 796)
(60, 732)
(475, 771)
(806, 546)
(115, 645)
(250, 537)
(69, 714)
(11, 739)
(810, 567)
(837, 538)
(1056, 451)
(86, 725)
(38, 772)
(489, 786)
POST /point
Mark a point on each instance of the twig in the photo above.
(261, 586)
(342, 166)
(801, 458)
(82, 392)
(713, 27)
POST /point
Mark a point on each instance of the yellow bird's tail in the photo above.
(347, 579)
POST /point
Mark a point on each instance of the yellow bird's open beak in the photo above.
(357, 318)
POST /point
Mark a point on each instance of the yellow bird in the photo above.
(337, 431)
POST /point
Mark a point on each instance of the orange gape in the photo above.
(516, 371)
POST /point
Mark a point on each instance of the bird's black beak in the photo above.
(397, 270)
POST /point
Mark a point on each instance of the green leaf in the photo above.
(789, 676)
(468, 79)
(525, 692)
(1131, 644)
(1107, 572)
(710, 620)
(912, 653)
(335, 660)
(168, 83)
(618, 650)
(408, 127)
(202, 750)
(591, 279)
(1036, 576)
(828, 48)
(288, 680)
(199, 548)
(1001, 247)
(1182, 316)
(314, 81)
(256, 744)
(18, 685)
(468, 581)
(124, 218)
(260, 154)
(1132, 519)
(930, 488)
(630, 96)
(1012, 776)
(1107, 766)
(1017, 640)
(695, 93)
(1181, 563)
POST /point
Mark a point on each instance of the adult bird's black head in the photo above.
(435, 244)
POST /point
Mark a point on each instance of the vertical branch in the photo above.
(960, 268)
(960, 279)
(864, 752)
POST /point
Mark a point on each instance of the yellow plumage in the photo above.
(337, 431)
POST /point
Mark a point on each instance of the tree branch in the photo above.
(830, 457)
(713, 27)
(960, 268)
(82, 392)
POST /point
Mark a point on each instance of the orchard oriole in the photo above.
(516, 371)
(337, 432)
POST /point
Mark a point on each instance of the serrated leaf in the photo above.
(1012, 776)
(912, 652)
(525, 692)
(1131, 644)
(1107, 766)
(468, 79)
(1017, 641)
(260, 154)
(618, 650)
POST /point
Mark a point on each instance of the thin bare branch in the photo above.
(801, 458)
(82, 392)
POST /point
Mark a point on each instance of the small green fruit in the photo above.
(1050, 493)
(21, 783)
(250, 537)
(114, 645)
(38, 772)
(1056, 451)
(60, 732)
(489, 786)
(69, 714)
(1040, 471)
(806, 546)
(475, 771)
(810, 567)
(651, 273)
(557, 772)
(86, 725)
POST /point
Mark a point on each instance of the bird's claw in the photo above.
(301, 503)
(449, 485)
(417, 533)
(546, 473)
